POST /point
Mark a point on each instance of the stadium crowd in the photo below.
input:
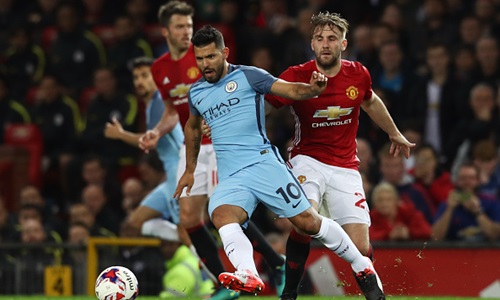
(65, 68)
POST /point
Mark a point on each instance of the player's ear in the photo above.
(344, 44)
(164, 32)
(225, 52)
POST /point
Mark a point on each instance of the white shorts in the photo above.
(338, 191)
(205, 175)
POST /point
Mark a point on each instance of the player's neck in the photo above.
(330, 71)
(177, 54)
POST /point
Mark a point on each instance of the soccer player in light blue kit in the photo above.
(230, 99)
(159, 202)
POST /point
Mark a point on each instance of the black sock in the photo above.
(206, 248)
(261, 245)
(297, 251)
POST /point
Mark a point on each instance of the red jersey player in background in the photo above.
(174, 73)
(323, 155)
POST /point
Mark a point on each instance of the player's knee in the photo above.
(310, 225)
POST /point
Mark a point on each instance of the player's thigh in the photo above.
(232, 200)
(277, 188)
(308, 172)
(344, 200)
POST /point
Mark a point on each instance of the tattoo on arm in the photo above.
(197, 145)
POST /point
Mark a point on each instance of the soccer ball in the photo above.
(116, 283)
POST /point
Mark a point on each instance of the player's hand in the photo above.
(186, 180)
(149, 140)
(113, 130)
(400, 144)
(318, 82)
(206, 130)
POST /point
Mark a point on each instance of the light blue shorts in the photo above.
(269, 182)
(161, 200)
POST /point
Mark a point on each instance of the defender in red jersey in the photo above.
(174, 73)
(323, 155)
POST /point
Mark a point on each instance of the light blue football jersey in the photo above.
(168, 145)
(234, 109)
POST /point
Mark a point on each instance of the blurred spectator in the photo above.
(109, 103)
(395, 221)
(133, 193)
(43, 13)
(11, 16)
(393, 76)
(128, 45)
(432, 100)
(94, 198)
(31, 262)
(367, 164)
(261, 57)
(58, 118)
(362, 48)
(392, 170)
(138, 10)
(464, 64)
(466, 216)
(183, 277)
(78, 235)
(76, 52)
(485, 159)
(151, 170)
(430, 175)
(381, 34)
(470, 30)
(488, 58)
(25, 62)
(11, 111)
(485, 11)
(97, 13)
(482, 125)
(80, 213)
(297, 41)
(433, 25)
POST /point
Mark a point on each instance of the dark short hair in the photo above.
(207, 35)
(166, 11)
(142, 61)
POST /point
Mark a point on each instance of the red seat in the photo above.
(29, 137)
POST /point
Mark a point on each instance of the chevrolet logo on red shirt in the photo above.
(333, 112)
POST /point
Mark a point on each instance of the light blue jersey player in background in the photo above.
(230, 99)
(159, 202)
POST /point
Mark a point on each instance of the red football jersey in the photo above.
(174, 78)
(326, 126)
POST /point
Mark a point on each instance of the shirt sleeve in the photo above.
(158, 81)
(192, 109)
(369, 90)
(278, 101)
(259, 79)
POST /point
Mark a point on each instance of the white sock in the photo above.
(160, 228)
(336, 239)
(238, 248)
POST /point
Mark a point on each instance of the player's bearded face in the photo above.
(211, 62)
(143, 81)
(327, 45)
(180, 31)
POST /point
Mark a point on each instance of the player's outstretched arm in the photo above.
(192, 138)
(377, 111)
(299, 90)
(169, 119)
(114, 130)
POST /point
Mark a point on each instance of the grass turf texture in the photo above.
(242, 298)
